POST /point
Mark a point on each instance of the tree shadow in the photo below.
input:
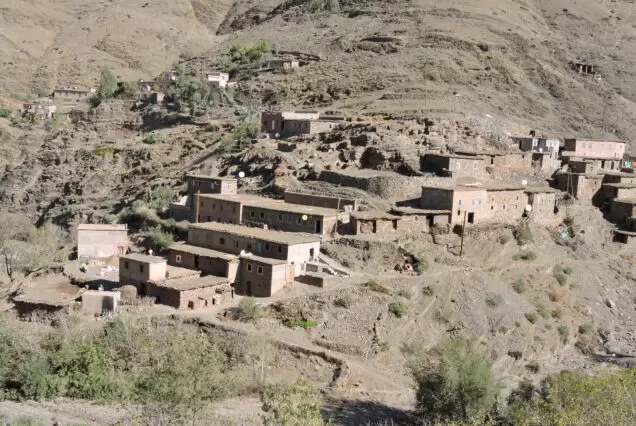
(360, 412)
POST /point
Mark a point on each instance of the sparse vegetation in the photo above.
(586, 328)
(428, 291)
(557, 313)
(533, 367)
(564, 331)
(298, 323)
(523, 235)
(160, 198)
(103, 150)
(149, 139)
(345, 301)
(519, 286)
(291, 405)
(532, 317)
(405, 293)
(494, 300)
(454, 382)
(159, 239)
(374, 286)
(561, 274)
(243, 53)
(107, 86)
(528, 256)
(420, 264)
(554, 296)
(543, 312)
(399, 309)
(384, 346)
(570, 223)
(249, 310)
(5, 113)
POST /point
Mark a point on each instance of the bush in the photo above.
(454, 383)
(554, 296)
(421, 264)
(533, 367)
(291, 405)
(248, 310)
(296, 323)
(405, 293)
(149, 139)
(532, 317)
(525, 255)
(380, 288)
(560, 274)
(586, 328)
(523, 235)
(159, 239)
(428, 291)
(557, 313)
(564, 331)
(5, 113)
(344, 302)
(398, 309)
(107, 85)
(519, 286)
(568, 270)
(494, 300)
(543, 312)
(160, 198)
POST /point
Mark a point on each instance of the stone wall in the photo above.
(388, 185)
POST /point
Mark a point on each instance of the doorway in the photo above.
(311, 254)
(430, 221)
(318, 226)
(471, 217)
(395, 225)
(248, 289)
(196, 262)
(375, 226)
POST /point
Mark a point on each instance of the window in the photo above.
(459, 202)
(236, 244)
(474, 202)
(213, 206)
(267, 246)
(280, 217)
(299, 220)
(221, 208)
(249, 246)
(209, 219)
(233, 209)
(249, 267)
(252, 214)
(178, 258)
(459, 212)
(517, 198)
(262, 215)
(126, 266)
(492, 207)
(141, 268)
(280, 249)
(289, 219)
(222, 241)
(259, 270)
(201, 203)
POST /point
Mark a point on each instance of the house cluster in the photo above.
(157, 88)
(297, 123)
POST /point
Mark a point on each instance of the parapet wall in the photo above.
(338, 203)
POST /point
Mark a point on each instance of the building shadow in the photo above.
(95, 284)
(359, 412)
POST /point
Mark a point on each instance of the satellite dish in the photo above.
(540, 149)
(528, 208)
(524, 182)
(305, 217)
(150, 252)
(241, 175)
(242, 252)
(277, 135)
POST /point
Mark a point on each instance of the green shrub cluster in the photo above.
(525, 255)
(5, 113)
(399, 309)
(298, 323)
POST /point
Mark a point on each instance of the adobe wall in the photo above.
(135, 276)
(516, 161)
(543, 206)
(208, 265)
(393, 186)
(218, 210)
(92, 243)
(505, 207)
(251, 283)
(322, 126)
(293, 222)
(337, 203)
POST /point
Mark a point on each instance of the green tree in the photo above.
(291, 405)
(454, 382)
(190, 93)
(107, 85)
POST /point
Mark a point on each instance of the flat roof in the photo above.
(374, 214)
(145, 258)
(184, 284)
(617, 173)
(588, 157)
(595, 140)
(624, 232)
(288, 238)
(620, 185)
(415, 210)
(201, 251)
(482, 187)
(101, 227)
(453, 187)
(625, 200)
(539, 190)
(293, 208)
(207, 177)
(449, 155)
(237, 198)
(484, 152)
(265, 260)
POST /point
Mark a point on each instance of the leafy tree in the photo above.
(159, 238)
(190, 93)
(107, 85)
(291, 405)
(577, 398)
(454, 382)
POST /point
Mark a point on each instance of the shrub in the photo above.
(107, 85)
(564, 331)
(568, 270)
(523, 235)
(586, 328)
(532, 317)
(557, 313)
(248, 310)
(380, 288)
(398, 309)
(519, 286)
(492, 269)
(296, 323)
(159, 239)
(160, 198)
(5, 113)
(428, 291)
(558, 272)
(103, 150)
(290, 405)
(344, 302)
(454, 382)
(405, 293)
(494, 300)
(421, 264)
(525, 255)
(149, 139)
(533, 367)
(543, 312)
(554, 296)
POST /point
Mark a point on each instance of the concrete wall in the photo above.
(301, 253)
(93, 243)
(260, 279)
(217, 266)
(327, 202)
(217, 210)
(135, 272)
(595, 148)
(293, 222)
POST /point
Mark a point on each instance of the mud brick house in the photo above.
(543, 201)
(328, 202)
(191, 293)
(294, 248)
(253, 210)
(610, 191)
(200, 184)
(287, 124)
(604, 154)
(217, 79)
(580, 185)
(399, 220)
(625, 237)
(262, 277)
(274, 122)
(621, 209)
(545, 146)
(618, 177)
(208, 261)
(501, 159)
(480, 204)
(453, 165)
(430, 217)
(137, 269)
(101, 240)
